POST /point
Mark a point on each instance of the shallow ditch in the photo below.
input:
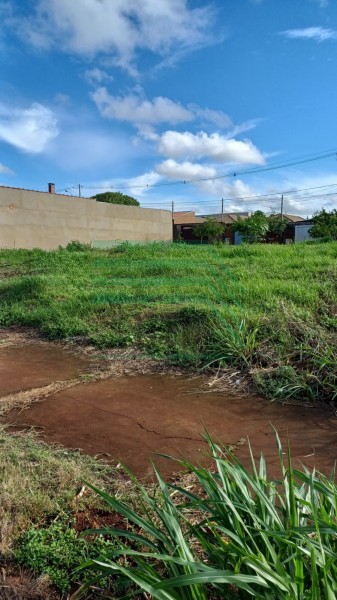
(83, 400)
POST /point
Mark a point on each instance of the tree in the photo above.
(254, 229)
(210, 229)
(276, 226)
(116, 198)
(324, 224)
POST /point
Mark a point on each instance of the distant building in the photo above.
(184, 223)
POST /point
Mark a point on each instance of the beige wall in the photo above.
(41, 220)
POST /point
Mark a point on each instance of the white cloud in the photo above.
(134, 109)
(140, 185)
(319, 34)
(216, 117)
(96, 76)
(29, 129)
(209, 182)
(118, 27)
(184, 171)
(176, 145)
(5, 170)
(228, 189)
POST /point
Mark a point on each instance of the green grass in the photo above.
(269, 310)
(234, 533)
(40, 482)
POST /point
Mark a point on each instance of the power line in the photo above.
(255, 170)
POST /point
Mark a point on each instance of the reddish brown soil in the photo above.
(131, 418)
(36, 365)
(97, 519)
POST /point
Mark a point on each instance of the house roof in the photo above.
(290, 218)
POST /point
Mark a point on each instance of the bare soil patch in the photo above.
(131, 419)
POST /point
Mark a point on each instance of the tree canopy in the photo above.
(259, 228)
(324, 224)
(253, 229)
(116, 198)
(210, 229)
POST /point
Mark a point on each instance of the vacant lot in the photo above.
(270, 311)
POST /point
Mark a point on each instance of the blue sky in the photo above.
(142, 95)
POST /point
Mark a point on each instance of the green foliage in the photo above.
(116, 198)
(255, 307)
(324, 225)
(253, 229)
(57, 551)
(259, 228)
(210, 230)
(276, 225)
(38, 481)
(235, 533)
(76, 246)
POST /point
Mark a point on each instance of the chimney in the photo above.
(51, 188)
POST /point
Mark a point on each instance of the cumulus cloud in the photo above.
(318, 34)
(184, 171)
(119, 27)
(205, 178)
(29, 129)
(216, 147)
(134, 109)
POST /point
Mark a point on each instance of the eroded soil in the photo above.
(132, 418)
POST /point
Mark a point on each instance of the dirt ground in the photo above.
(85, 400)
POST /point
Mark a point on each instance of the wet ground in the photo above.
(132, 418)
(36, 365)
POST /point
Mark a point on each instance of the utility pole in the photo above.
(172, 211)
(221, 210)
(79, 190)
(282, 207)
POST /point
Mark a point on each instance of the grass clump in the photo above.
(266, 309)
(234, 534)
(39, 482)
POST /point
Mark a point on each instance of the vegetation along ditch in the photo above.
(262, 316)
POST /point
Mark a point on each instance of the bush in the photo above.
(76, 246)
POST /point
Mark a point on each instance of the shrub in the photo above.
(76, 246)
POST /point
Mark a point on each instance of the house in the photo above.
(184, 223)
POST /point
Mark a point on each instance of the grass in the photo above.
(268, 310)
(40, 482)
(235, 534)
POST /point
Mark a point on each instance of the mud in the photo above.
(130, 419)
(36, 365)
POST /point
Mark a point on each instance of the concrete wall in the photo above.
(31, 219)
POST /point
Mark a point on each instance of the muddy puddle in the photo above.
(131, 418)
(36, 365)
